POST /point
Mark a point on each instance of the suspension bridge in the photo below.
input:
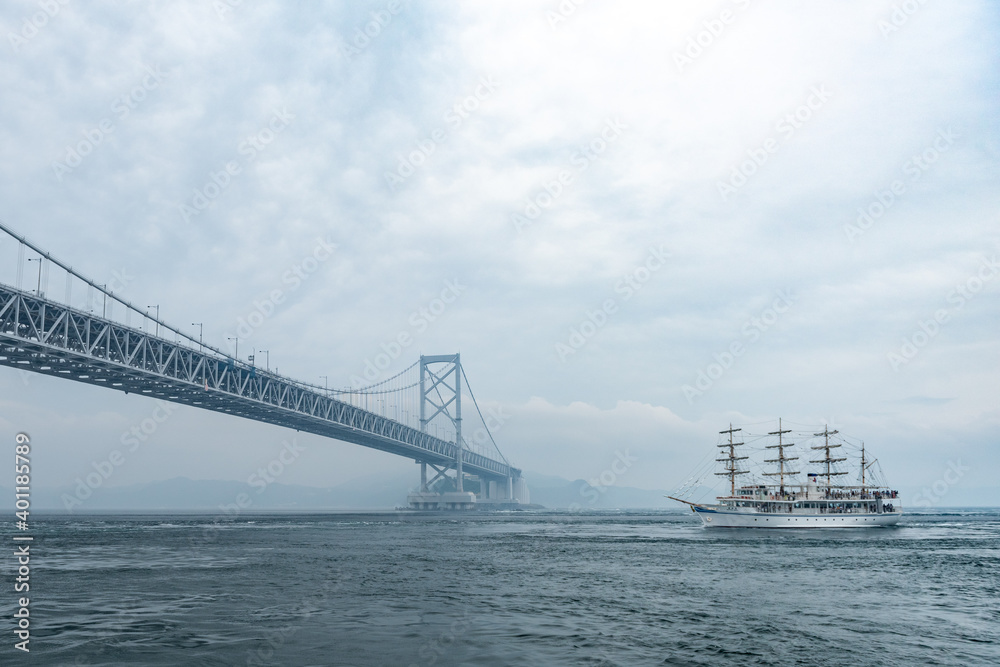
(417, 413)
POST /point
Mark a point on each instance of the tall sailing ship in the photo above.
(818, 502)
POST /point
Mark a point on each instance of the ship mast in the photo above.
(865, 466)
(862, 466)
(730, 468)
(828, 460)
(781, 456)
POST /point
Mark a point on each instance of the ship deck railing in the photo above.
(800, 497)
(823, 507)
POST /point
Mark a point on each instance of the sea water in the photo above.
(521, 588)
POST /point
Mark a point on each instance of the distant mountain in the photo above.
(370, 492)
(559, 493)
(182, 493)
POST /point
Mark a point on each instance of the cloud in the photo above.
(889, 94)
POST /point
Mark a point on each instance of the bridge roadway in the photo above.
(46, 337)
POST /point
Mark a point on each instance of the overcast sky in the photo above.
(615, 196)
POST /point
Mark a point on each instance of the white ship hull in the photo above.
(720, 518)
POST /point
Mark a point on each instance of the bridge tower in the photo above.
(441, 394)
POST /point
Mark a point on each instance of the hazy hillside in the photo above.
(374, 492)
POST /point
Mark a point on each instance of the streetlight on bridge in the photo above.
(201, 332)
(38, 290)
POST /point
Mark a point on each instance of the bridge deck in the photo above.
(46, 337)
